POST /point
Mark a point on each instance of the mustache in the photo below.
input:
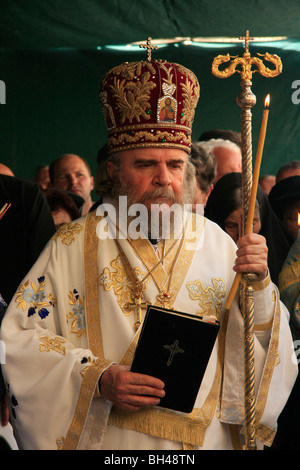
(166, 194)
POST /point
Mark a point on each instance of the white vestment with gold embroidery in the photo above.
(67, 323)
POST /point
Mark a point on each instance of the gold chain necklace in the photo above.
(164, 296)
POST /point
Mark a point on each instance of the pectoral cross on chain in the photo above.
(149, 47)
(137, 305)
(174, 349)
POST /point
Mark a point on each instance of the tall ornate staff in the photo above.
(246, 100)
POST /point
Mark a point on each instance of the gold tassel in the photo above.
(173, 426)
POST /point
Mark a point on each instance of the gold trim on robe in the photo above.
(180, 427)
(159, 422)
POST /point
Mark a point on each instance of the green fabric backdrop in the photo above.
(91, 23)
(52, 104)
(53, 54)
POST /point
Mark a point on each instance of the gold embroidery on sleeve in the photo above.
(67, 233)
(210, 298)
(60, 442)
(31, 297)
(86, 360)
(261, 285)
(52, 344)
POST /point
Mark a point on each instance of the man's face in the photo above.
(153, 175)
(72, 175)
(290, 217)
(233, 223)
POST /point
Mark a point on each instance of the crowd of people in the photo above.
(50, 273)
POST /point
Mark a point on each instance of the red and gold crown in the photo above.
(149, 104)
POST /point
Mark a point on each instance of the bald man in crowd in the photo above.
(228, 156)
(72, 173)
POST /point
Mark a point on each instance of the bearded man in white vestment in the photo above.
(69, 333)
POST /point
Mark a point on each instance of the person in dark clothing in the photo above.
(24, 231)
(25, 227)
(284, 199)
(221, 203)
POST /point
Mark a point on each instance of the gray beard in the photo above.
(163, 219)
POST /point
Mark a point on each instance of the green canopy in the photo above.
(53, 54)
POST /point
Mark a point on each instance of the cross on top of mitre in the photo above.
(149, 47)
(247, 39)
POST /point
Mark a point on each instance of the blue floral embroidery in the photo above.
(77, 315)
(32, 297)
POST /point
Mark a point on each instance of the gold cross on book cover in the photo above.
(175, 347)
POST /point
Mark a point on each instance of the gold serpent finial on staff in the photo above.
(246, 100)
(246, 62)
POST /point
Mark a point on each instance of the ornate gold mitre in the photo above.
(149, 103)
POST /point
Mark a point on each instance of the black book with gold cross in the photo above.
(175, 347)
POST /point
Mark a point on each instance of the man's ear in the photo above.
(112, 171)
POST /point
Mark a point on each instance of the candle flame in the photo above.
(267, 101)
(298, 218)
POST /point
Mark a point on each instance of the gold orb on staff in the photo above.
(246, 66)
